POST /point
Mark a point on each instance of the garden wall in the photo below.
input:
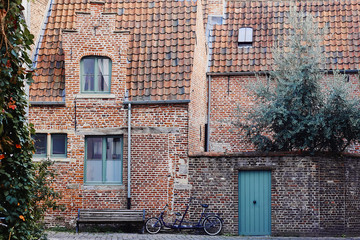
(315, 196)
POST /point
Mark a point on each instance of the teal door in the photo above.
(254, 203)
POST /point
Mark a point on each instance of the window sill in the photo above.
(95, 95)
(39, 159)
(103, 187)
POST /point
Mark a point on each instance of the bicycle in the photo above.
(211, 223)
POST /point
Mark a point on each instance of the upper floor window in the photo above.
(95, 74)
(245, 38)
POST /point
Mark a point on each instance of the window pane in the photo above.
(94, 159)
(104, 74)
(58, 144)
(94, 148)
(88, 65)
(248, 35)
(113, 159)
(94, 171)
(40, 144)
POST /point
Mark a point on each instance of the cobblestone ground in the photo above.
(162, 236)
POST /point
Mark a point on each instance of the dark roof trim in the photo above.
(236, 73)
(69, 30)
(109, 13)
(86, 13)
(267, 72)
(97, 2)
(47, 103)
(157, 102)
(121, 31)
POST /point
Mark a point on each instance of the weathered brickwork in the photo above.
(215, 7)
(231, 100)
(309, 195)
(159, 171)
(37, 14)
(229, 93)
(198, 91)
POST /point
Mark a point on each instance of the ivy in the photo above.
(24, 186)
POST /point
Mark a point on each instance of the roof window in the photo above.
(245, 38)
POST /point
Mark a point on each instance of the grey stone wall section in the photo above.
(311, 196)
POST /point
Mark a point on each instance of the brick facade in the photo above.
(159, 171)
(231, 100)
(310, 196)
(37, 15)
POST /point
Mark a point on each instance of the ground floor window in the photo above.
(52, 145)
(103, 159)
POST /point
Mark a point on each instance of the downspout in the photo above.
(129, 159)
(208, 116)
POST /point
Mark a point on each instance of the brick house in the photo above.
(138, 88)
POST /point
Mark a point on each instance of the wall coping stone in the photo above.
(273, 154)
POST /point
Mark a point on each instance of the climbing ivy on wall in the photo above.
(24, 195)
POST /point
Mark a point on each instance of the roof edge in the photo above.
(157, 102)
(97, 2)
(350, 71)
(44, 103)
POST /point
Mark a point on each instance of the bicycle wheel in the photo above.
(213, 225)
(153, 225)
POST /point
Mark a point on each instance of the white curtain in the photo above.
(104, 74)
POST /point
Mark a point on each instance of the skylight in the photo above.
(245, 38)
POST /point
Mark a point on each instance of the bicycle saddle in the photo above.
(204, 205)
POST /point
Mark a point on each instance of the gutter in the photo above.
(207, 146)
(352, 71)
(156, 102)
(47, 103)
(129, 159)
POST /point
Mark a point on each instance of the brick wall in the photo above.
(216, 7)
(159, 132)
(37, 14)
(229, 93)
(198, 91)
(309, 195)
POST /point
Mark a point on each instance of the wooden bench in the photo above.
(110, 216)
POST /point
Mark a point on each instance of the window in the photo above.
(40, 144)
(245, 38)
(58, 145)
(103, 160)
(50, 145)
(95, 74)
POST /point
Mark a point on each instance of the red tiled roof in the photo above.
(267, 20)
(160, 54)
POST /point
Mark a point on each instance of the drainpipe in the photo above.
(129, 159)
(208, 116)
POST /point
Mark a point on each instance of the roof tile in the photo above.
(155, 27)
(267, 20)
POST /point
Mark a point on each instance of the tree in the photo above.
(20, 200)
(299, 107)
